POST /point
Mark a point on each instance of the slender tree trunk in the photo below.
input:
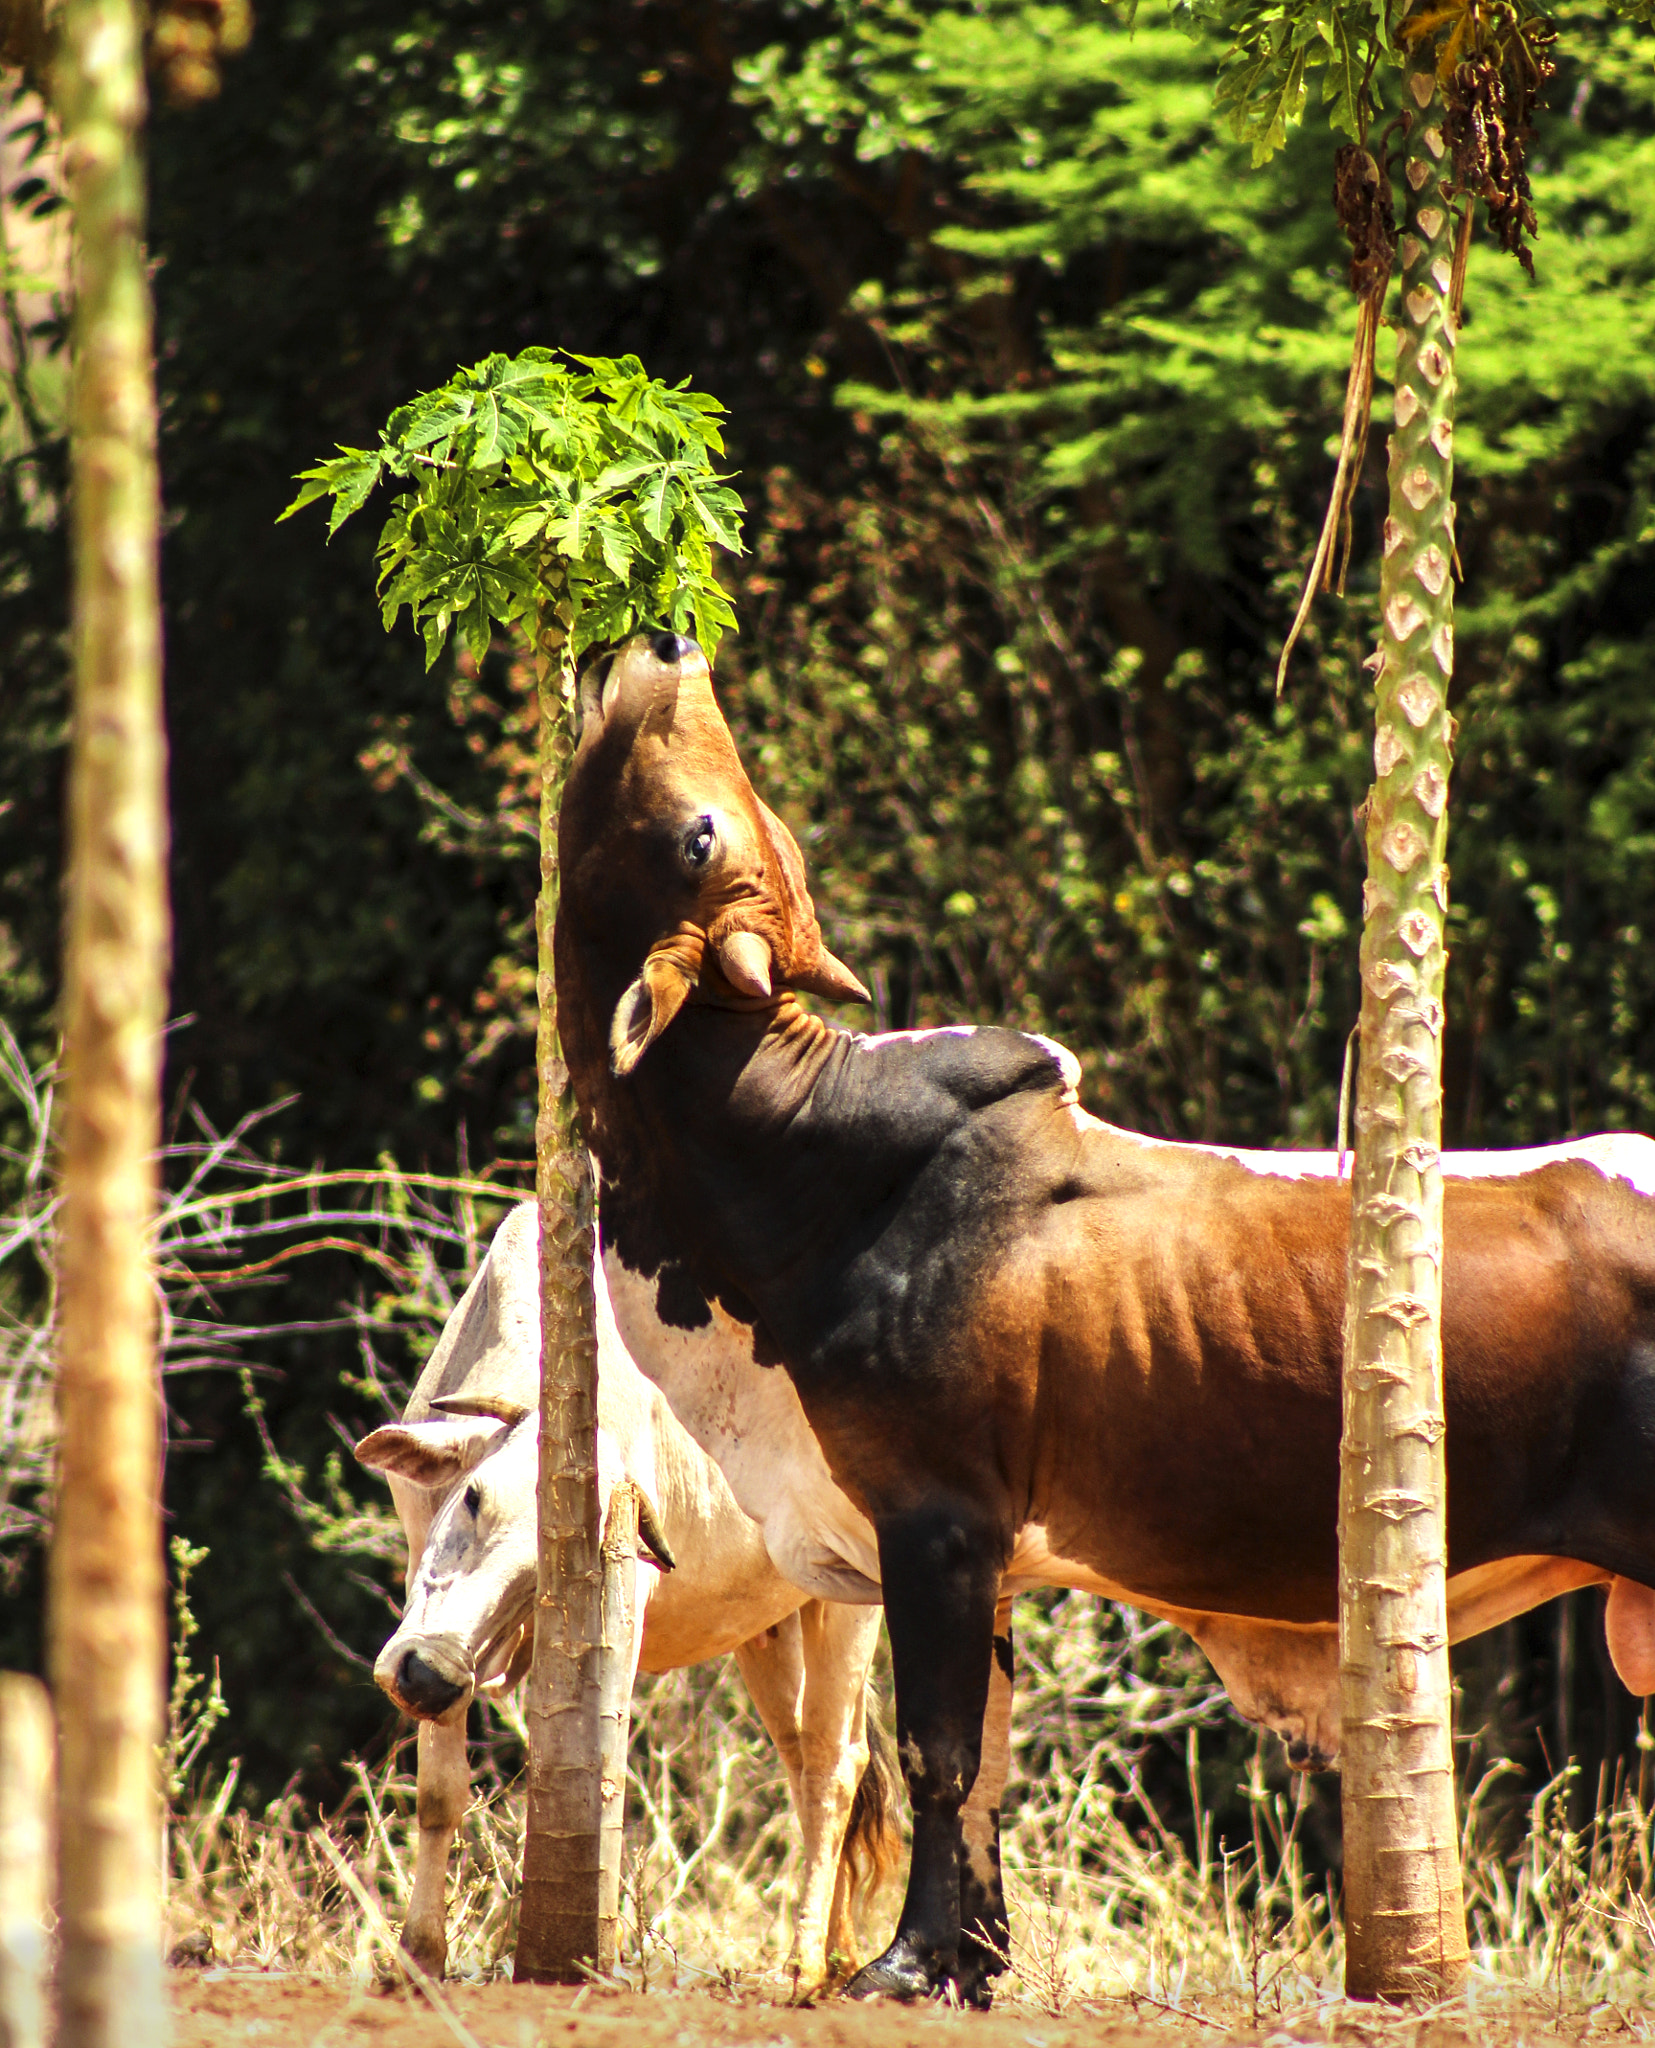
(27, 1769)
(559, 1927)
(1404, 1914)
(620, 1573)
(107, 1579)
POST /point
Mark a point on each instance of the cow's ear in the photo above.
(433, 1453)
(654, 999)
(812, 967)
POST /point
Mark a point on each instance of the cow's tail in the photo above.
(873, 1838)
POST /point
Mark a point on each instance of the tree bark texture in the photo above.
(559, 1936)
(1404, 1913)
(107, 1577)
(26, 1773)
(620, 1572)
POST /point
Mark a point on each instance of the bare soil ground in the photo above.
(226, 2008)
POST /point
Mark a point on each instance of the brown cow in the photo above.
(948, 1335)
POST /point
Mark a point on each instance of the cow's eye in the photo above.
(698, 842)
(473, 1499)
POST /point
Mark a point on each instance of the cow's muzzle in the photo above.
(423, 1689)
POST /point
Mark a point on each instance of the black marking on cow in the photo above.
(679, 1303)
(937, 1122)
(766, 1351)
(1638, 1390)
(941, 1587)
(1002, 1655)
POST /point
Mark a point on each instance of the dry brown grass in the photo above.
(1110, 1906)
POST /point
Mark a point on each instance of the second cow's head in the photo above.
(674, 871)
(470, 1609)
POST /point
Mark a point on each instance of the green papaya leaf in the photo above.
(546, 480)
(347, 479)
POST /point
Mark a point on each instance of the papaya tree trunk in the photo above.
(107, 1578)
(27, 1769)
(1404, 1912)
(620, 1572)
(559, 1929)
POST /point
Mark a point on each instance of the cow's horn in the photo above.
(745, 959)
(496, 1406)
(649, 1531)
(832, 980)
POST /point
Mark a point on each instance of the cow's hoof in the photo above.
(973, 1983)
(429, 1958)
(901, 1972)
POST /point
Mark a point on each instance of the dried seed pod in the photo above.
(1491, 99)
(1362, 201)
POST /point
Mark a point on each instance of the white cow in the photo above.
(462, 1466)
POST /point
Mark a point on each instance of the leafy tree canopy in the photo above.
(1275, 46)
(537, 484)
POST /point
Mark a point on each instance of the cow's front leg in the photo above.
(444, 1792)
(773, 1666)
(838, 1645)
(941, 1575)
(985, 1930)
(807, 1678)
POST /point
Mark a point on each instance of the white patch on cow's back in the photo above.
(749, 1420)
(1617, 1155)
(870, 1041)
(1068, 1067)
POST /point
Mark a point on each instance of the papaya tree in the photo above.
(106, 1623)
(568, 500)
(107, 1634)
(1436, 101)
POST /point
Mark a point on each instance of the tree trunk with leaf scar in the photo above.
(620, 1572)
(560, 1933)
(1404, 1913)
(107, 1579)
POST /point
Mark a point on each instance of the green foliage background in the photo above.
(1030, 384)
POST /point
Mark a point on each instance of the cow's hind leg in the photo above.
(444, 1791)
(985, 1930)
(941, 1576)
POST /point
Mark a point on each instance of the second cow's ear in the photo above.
(433, 1453)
